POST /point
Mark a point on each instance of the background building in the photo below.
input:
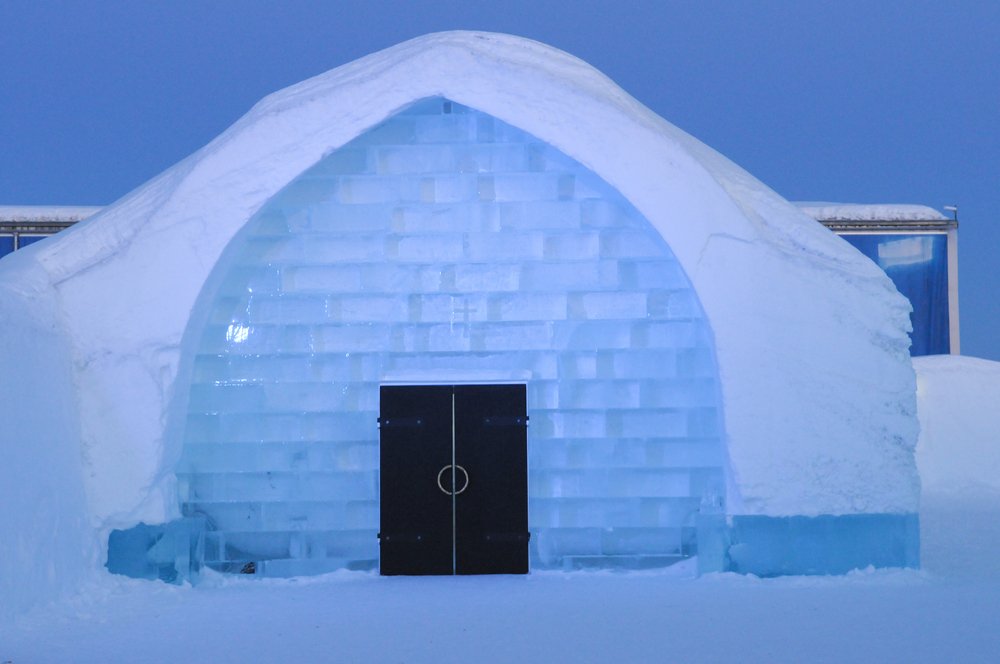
(22, 225)
(918, 248)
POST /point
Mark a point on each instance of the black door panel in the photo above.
(416, 522)
(470, 442)
(491, 516)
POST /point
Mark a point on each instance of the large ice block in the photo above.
(825, 544)
(173, 552)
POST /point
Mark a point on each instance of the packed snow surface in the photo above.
(47, 544)
(959, 446)
(946, 613)
(869, 212)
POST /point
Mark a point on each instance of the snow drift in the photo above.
(47, 544)
(959, 447)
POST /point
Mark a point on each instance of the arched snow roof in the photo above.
(810, 336)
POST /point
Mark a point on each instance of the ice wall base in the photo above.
(172, 552)
(797, 545)
(761, 545)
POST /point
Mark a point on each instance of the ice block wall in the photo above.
(446, 244)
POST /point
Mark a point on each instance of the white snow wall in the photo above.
(818, 390)
(47, 546)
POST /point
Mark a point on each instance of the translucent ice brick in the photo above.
(527, 187)
(425, 248)
(607, 305)
(512, 336)
(527, 306)
(473, 277)
(562, 215)
(448, 128)
(371, 309)
(368, 189)
(569, 276)
(337, 217)
(407, 159)
(321, 279)
(173, 552)
(507, 246)
(491, 158)
(571, 246)
(280, 308)
(618, 541)
(630, 244)
(598, 394)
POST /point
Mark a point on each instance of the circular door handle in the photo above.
(453, 492)
(466, 473)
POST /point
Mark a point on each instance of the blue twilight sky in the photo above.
(849, 101)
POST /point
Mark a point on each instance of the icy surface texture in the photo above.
(827, 544)
(447, 245)
(173, 552)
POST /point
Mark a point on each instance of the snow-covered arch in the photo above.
(810, 337)
(445, 245)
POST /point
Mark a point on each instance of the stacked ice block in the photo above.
(445, 242)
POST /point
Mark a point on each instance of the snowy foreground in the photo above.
(948, 612)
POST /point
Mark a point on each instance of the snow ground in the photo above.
(947, 612)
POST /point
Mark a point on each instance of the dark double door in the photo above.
(454, 484)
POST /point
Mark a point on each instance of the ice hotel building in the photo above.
(465, 306)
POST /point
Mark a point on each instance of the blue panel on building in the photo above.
(918, 265)
(6, 245)
(25, 240)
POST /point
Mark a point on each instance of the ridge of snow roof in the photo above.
(553, 95)
(19, 213)
(824, 211)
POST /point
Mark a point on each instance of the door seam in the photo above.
(454, 498)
